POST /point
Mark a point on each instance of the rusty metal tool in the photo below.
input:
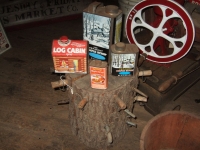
(179, 75)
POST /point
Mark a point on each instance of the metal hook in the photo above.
(63, 89)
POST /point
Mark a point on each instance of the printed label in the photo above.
(122, 64)
(69, 50)
(71, 57)
(96, 30)
(4, 42)
(98, 53)
(98, 77)
(19, 11)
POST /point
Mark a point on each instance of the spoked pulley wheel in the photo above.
(167, 37)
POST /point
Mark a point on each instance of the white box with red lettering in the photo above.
(70, 56)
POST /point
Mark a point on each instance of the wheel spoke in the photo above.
(143, 23)
(173, 40)
(173, 15)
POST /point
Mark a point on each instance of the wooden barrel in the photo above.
(172, 130)
(98, 117)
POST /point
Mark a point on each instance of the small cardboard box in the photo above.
(70, 56)
(99, 74)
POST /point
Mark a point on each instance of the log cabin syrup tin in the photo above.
(102, 27)
(124, 59)
(98, 74)
(69, 56)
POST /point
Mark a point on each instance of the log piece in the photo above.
(82, 103)
(141, 98)
(121, 104)
(145, 73)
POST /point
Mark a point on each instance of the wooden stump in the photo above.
(95, 115)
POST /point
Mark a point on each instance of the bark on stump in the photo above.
(101, 122)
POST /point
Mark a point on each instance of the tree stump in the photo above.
(96, 115)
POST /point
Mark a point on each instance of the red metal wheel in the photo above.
(169, 36)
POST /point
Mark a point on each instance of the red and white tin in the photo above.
(70, 56)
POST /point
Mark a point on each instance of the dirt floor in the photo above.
(30, 118)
